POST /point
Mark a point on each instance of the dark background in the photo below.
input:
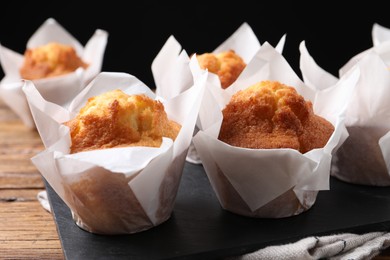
(137, 31)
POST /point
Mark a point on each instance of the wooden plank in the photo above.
(41, 254)
(18, 145)
(29, 244)
(8, 195)
(27, 230)
(32, 235)
(20, 181)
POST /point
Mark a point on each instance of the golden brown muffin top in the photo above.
(115, 118)
(227, 65)
(50, 60)
(270, 114)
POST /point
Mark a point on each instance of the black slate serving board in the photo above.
(200, 229)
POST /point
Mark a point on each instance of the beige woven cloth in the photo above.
(345, 246)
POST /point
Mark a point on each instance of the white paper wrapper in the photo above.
(270, 183)
(60, 90)
(364, 156)
(379, 34)
(171, 67)
(119, 190)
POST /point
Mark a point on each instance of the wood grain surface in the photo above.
(27, 230)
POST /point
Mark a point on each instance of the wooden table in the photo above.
(27, 230)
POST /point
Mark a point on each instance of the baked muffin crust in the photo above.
(270, 115)
(115, 119)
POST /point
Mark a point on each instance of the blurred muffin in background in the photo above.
(50, 60)
(228, 65)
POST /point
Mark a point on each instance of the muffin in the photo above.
(228, 65)
(272, 115)
(364, 156)
(50, 60)
(115, 119)
(115, 156)
(297, 127)
(271, 154)
(58, 64)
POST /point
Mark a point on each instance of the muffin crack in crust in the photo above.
(115, 119)
(270, 115)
